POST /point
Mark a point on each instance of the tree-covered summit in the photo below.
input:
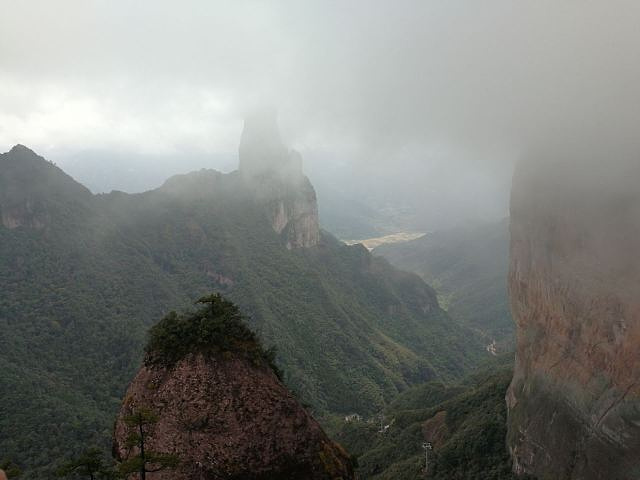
(216, 327)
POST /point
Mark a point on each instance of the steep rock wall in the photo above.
(292, 209)
(574, 402)
(274, 174)
(228, 419)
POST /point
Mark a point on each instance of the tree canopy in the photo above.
(218, 326)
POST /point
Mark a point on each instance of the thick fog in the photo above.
(421, 107)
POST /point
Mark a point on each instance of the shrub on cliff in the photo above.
(216, 327)
(10, 469)
(90, 464)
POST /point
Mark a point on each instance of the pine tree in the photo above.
(89, 465)
(144, 460)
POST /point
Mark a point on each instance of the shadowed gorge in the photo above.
(468, 267)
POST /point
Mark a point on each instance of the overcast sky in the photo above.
(420, 85)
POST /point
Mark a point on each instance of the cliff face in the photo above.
(292, 209)
(228, 419)
(274, 175)
(574, 402)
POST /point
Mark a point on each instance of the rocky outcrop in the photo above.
(574, 402)
(274, 175)
(227, 418)
(292, 210)
(28, 214)
(435, 430)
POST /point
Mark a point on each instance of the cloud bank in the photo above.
(424, 87)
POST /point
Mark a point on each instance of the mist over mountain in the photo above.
(439, 100)
(574, 283)
(253, 152)
(355, 203)
(85, 276)
(468, 267)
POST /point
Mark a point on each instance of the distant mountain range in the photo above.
(84, 276)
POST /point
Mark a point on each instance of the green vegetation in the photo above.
(10, 469)
(80, 293)
(468, 268)
(90, 464)
(142, 460)
(466, 423)
(215, 328)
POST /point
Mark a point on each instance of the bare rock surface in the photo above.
(435, 429)
(574, 402)
(228, 419)
(274, 174)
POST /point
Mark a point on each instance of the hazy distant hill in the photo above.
(468, 268)
(84, 276)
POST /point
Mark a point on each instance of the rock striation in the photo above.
(574, 401)
(227, 418)
(274, 175)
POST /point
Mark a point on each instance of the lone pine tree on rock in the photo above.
(141, 460)
(214, 398)
(90, 465)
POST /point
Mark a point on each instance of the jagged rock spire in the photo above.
(274, 175)
(262, 150)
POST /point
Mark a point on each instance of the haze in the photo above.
(424, 105)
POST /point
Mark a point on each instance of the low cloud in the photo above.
(414, 86)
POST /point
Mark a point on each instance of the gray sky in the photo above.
(424, 87)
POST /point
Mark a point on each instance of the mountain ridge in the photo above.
(81, 291)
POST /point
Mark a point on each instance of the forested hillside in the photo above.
(465, 423)
(468, 268)
(83, 277)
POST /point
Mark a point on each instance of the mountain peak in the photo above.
(20, 157)
(19, 148)
(274, 175)
(262, 151)
(33, 190)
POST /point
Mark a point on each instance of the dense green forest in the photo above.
(465, 422)
(468, 268)
(217, 327)
(84, 277)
